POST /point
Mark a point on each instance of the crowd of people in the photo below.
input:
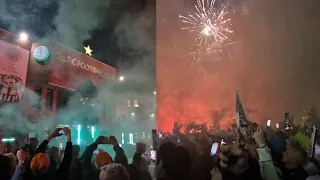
(246, 153)
(41, 162)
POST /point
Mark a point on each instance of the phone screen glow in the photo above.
(214, 149)
(153, 155)
(95, 152)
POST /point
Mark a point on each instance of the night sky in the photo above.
(275, 66)
(40, 19)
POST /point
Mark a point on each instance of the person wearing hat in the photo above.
(40, 163)
(92, 170)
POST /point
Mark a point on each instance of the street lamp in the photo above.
(121, 78)
(154, 92)
(24, 36)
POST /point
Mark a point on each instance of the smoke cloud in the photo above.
(34, 17)
(76, 19)
(135, 34)
(67, 21)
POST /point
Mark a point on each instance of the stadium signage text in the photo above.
(80, 64)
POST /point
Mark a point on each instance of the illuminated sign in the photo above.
(41, 53)
(80, 64)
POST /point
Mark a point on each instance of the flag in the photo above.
(241, 118)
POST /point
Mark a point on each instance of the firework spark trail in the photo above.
(210, 23)
(213, 52)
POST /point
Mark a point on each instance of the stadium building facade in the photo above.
(40, 77)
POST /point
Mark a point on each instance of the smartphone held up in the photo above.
(214, 149)
(269, 123)
(287, 121)
(313, 140)
(153, 155)
(105, 140)
(61, 132)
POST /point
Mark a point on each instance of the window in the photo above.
(135, 103)
(129, 103)
(49, 100)
(63, 98)
(36, 99)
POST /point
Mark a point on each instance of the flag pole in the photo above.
(237, 111)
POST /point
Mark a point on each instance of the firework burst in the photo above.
(212, 29)
(210, 23)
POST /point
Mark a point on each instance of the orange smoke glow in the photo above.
(267, 70)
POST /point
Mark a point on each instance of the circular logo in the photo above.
(13, 54)
(41, 53)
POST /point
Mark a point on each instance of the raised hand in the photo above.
(216, 174)
(113, 140)
(3, 148)
(140, 148)
(259, 137)
(102, 140)
(67, 132)
(27, 141)
(54, 133)
(233, 158)
(22, 157)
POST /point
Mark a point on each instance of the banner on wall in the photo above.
(13, 71)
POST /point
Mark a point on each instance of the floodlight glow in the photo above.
(131, 138)
(121, 78)
(122, 138)
(8, 139)
(79, 133)
(92, 132)
(24, 36)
